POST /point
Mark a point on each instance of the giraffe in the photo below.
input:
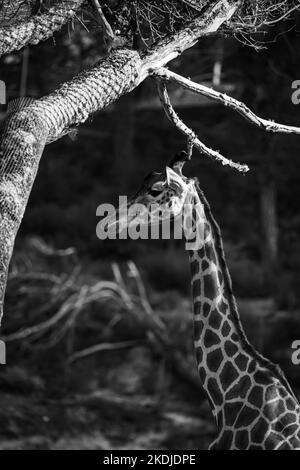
(251, 400)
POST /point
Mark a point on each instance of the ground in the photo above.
(133, 396)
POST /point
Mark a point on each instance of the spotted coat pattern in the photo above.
(251, 400)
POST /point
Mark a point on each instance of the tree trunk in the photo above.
(38, 27)
(14, 11)
(27, 131)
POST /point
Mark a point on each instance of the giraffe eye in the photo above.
(154, 192)
(156, 188)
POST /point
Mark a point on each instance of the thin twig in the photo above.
(108, 400)
(98, 292)
(190, 134)
(70, 322)
(232, 103)
(100, 348)
(36, 329)
(105, 24)
(134, 272)
(120, 282)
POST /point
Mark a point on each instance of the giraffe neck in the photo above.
(227, 363)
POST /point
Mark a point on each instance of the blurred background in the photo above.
(99, 333)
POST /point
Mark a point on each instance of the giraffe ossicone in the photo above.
(251, 400)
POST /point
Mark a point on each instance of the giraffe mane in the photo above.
(273, 368)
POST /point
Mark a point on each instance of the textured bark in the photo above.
(27, 131)
(38, 27)
(173, 46)
(12, 12)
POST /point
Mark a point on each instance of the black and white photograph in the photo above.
(149, 228)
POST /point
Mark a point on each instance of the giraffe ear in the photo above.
(173, 177)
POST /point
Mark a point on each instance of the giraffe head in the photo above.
(162, 196)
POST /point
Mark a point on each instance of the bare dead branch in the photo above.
(37, 329)
(35, 276)
(120, 282)
(107, 400)
(232, 103)
(40, 246)
(100, 348)
(284, 15)
(108, 32)
(27, 131)
(72, 306)
(255, 15)
(171, 47)
(135, 273)
(193, 140)
(71, 320)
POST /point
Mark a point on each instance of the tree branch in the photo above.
(193, 140)
(171, 47)
(108, 32)
(100, 348)
(265, 124)
(38, 27)
(27, 131)
(109, 402)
